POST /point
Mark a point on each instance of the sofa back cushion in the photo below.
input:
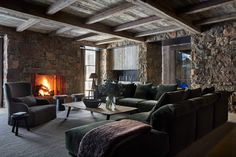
(153, 92)
(127, 90)
(193, 93)
(179, 121)
(163, 88)
(167, 98)
(208, 90)
(143, 91)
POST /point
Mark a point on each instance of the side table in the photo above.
(77, 96)
(60, 99)
(16, 117)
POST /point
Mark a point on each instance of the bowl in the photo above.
(92, 103)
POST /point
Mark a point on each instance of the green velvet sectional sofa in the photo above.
(178, 119)
(142, 96)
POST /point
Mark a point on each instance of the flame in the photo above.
(46, 88)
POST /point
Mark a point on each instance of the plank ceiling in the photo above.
(105, 21)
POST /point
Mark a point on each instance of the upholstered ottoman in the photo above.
(75, 135)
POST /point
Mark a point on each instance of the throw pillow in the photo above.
(153, 92)
(161, 102)
(208, 90)
(193, 93)
(143, 90)
(163, 88)
(29, 100)
(127, 90)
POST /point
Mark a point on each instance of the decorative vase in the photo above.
(109, 102)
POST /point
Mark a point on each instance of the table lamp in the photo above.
(93, 76)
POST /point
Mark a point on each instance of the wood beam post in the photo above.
(82, 37)
(203, 6)
(111, 40)
(26, 9)
(158, 31)
(60, 30)
(59, 5)
(27, 24)
(109, 12)
(137, 23)
(165, 13)
(227, 17)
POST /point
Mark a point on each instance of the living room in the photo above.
(163, 74)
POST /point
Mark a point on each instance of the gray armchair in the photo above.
(19, 98)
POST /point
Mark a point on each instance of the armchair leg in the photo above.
(26, 124)
(17, 125)
(14, 125)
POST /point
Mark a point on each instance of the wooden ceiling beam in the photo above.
(158, 31)
(117, 9)
(27, 24)
(59, 5)
(27, 9)
(164, 12)
(203, 6)
(84, 36)
(137, 23)
(60, 30)
(107, 41)
(217, 19)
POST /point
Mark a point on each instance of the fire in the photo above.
(45, 88)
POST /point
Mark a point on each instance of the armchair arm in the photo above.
(41, 101)
(18, 107)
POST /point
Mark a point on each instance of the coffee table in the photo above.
(101, 109)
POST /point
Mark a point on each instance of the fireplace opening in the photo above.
(48, 85)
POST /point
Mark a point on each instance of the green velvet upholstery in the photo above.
(163, 88)
(143, 91)
(131, 102)
(74, 135)
(193, 93)
(168, 98)
(142, 116)
(145, 106)
(127, 90)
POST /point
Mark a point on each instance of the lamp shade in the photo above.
(93, 75)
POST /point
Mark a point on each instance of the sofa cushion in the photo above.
(29, 100)
(163, 88)
(208, 90)
(179, 121)
(193, 93)
(131, 102)
(127, 90)
(143, 91)
(168, 98)
(142, 116)
(145, 106)
(75, 135)
(153, 92)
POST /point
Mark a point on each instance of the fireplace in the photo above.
(48, 85)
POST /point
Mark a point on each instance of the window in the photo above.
(183, 68)
(90, 67)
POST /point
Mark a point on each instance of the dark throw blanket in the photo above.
(98, 142)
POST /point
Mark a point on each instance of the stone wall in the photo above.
(30, 53)
(154, 62)
(214, 57)
(142, 71)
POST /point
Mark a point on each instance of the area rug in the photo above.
(47, 140)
